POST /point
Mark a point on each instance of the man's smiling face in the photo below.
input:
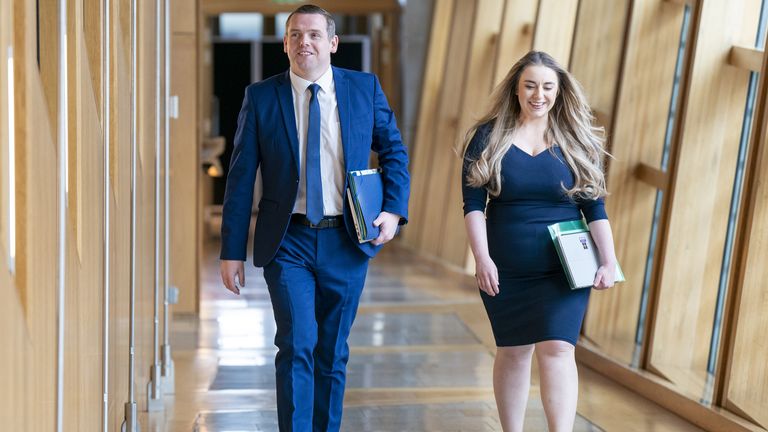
(308, 46)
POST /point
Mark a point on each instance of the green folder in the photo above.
(575, 264)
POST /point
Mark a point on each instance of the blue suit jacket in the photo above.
(266, 137)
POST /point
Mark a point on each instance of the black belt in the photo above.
(326, 222)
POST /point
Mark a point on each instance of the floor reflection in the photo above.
(452, 417)
(417, 361)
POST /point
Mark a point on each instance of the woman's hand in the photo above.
(487, 276)
(605, 276)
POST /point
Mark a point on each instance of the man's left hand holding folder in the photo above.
(387, 223)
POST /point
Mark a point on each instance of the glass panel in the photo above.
(674, 104)
(248, 26)
(280, 23)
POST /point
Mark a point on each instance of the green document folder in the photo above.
(577, 253)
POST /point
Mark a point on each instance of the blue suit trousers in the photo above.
(315, 281)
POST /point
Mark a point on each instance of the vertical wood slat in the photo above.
(516, 37)
(84, 299)
(389, 60)
(554, 28)
(5, 105)
(421, 154)
(476, 90)
(600, 27)
(29, 312)
(183, 199)
(600, 75)
(120, 223)
(638, 136)
(445, 128)
(22, 45)
(12, 306)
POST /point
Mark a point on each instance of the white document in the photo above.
(581, 257)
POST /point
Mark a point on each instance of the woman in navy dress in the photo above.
(539, 158)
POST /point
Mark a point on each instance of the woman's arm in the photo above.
(603, 237)
(486, 273)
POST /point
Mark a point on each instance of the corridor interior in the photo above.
(421, 360)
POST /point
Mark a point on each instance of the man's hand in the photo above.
(387, 223)
(229, 270)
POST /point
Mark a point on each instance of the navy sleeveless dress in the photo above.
(534, 302)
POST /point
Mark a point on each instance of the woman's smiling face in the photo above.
(537, 91)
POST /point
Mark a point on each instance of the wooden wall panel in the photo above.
(92, 31)
(145, 211)
(120, 223)
(638, 137)
(6, 35)
(49, 50)
(516, 37)
(184, 172)
(554, 28)
(445, 131)
(747, 390)
(12, 335)
(422, 149)
(183, 16)
(600, 28)
(476, 91)
(34, 388)
(83, 341)
(28, 299)
(702, 195)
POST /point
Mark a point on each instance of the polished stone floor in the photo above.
(421, 360)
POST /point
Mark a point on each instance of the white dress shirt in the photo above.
(331, 150)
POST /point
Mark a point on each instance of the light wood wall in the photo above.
(184, 157)
(600, 77)
(421, 160)
(637, 137)
(29, 296)
(744, 380)
(442, 138)
(747, 378)
(516, 37)
(476, 91)
(701, 196)
(484, 37)
(599, 74)
(555, 22)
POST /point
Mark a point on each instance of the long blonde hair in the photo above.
(570, 126)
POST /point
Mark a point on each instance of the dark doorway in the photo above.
(231, 75)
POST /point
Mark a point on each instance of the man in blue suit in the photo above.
(305, 129)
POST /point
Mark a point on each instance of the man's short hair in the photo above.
(310, 9)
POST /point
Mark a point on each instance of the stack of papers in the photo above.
(366, 195)
(578, 253)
